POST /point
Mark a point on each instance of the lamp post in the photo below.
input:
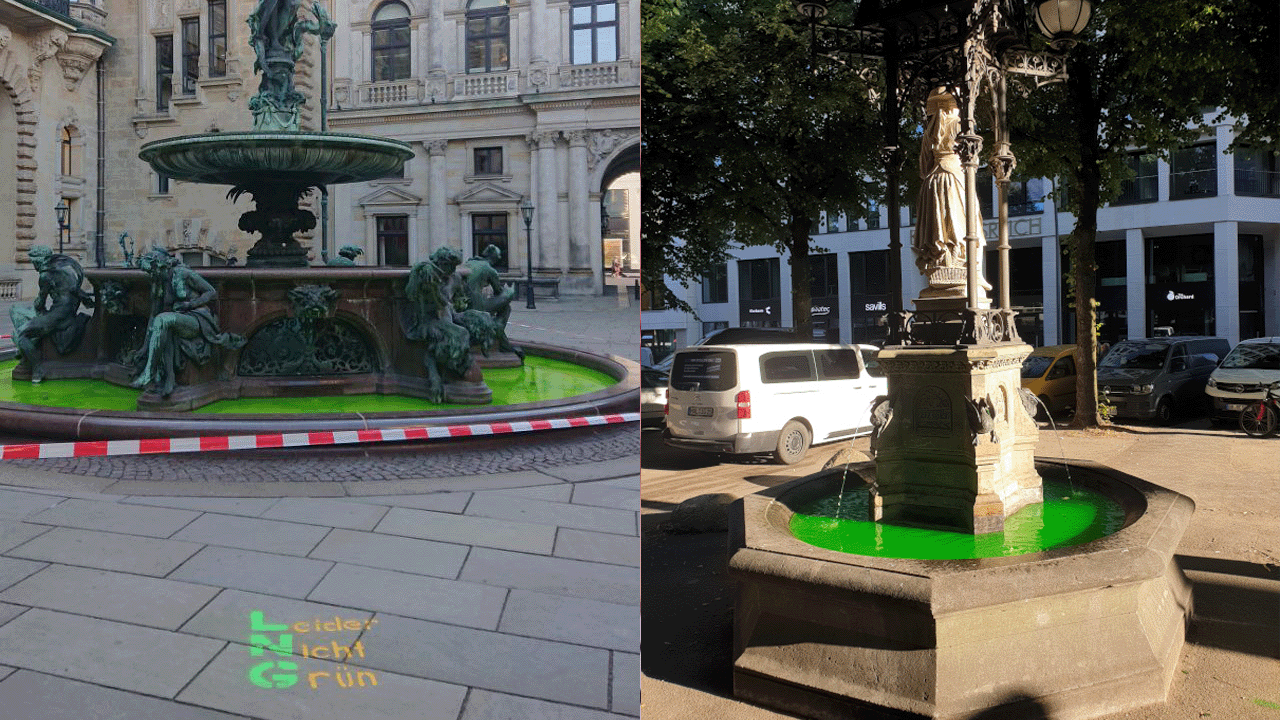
(64, 223)
(967, 48)
(526, 212)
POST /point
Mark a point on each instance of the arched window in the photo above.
(488, 36)
(68, 152)
(390, 42)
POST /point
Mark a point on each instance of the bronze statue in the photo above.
(275, 31)
(347, 255)
(56, 311)
(182, 325)
(482, 275)
(431, 290)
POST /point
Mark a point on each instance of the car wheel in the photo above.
(793, 443)
(1164, 411)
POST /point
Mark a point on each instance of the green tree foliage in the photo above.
(1135, 82)
(748, 136)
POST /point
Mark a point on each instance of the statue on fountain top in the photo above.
(939, 242)
(276, 33)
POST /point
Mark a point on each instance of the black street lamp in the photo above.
(526, 212)
(966, 47)
(64, 222)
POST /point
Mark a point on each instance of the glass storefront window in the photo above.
(1194, 172)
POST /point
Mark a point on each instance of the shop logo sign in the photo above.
(1179, 296)
(819, 310)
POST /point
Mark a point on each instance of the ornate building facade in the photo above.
(49, 139)
(499, 101)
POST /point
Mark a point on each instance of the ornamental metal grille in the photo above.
(293, 346)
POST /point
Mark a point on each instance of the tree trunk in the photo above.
(1084, 271)
(801, 295)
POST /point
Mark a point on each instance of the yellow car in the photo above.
(1050, 373)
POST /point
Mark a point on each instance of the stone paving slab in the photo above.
(606, 496)
(626, 682)
(467, 530)
(104, 652)
(227, 618)
(16, 505)
(13, 534)
(488, 705)
(450, 601)
(258, 487)
(116, 517)
(36, 696)
(572, 620)
(450, 483)
(598, 547)
(9, 612)
(496, 661)
(560, 492)
(5, 671)
(449, 502)
(253, 534)
(602, 470)
(251, 507)
(13, 570)
(26, 476)
(165, 604)
(632, 482)
(225, 685)
(108, 551)
(557, 576)
(392, 552)
(583, 517)
(253, 571)
(332, 513)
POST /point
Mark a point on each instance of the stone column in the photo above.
(579, 253)
(538, 27)
(549, 252)
(1226, 280)
(437, 195)
(1136, 282)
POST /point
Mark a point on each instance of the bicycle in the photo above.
(1261, 417)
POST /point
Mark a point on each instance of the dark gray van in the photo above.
(1158, 377)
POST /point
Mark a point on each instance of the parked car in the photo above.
(653, 396)
(1243, 376)
(1050, 373)
(1158, 377)
(778, 398)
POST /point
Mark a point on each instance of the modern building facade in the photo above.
(1192, 246)
(500, 102)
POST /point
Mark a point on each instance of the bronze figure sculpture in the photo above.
(56, 311)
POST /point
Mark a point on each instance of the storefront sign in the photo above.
(1020, 227)
(1179, 296)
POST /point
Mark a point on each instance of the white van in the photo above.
(1242, 376)
(777, 398)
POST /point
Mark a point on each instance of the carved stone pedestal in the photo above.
(957, 452)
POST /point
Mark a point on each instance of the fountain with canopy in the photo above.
(310, 348)
(956, 574)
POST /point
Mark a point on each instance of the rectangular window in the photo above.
(490, 229)
(595, 31)
(824, 280)
(786, 367)
(873, 215)
(1026, 197)
(393, 240)
(1194, 172)
(1143, 186)
(985, 204)
(1256, 173)
(712, 326)
(162, 184)
(488, 161)
(487, 41)
(190, 55)
(217, 38)
(715, 285)
(869, 272)
(164, 72)
(759, 279)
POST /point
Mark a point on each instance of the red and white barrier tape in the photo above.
(152, 446)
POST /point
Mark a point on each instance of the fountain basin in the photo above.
(294, 158)
(1080, 631)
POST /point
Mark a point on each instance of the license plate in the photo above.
(702, 412)
(1235, 406)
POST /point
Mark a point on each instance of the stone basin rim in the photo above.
(78, 424)
(306, 158)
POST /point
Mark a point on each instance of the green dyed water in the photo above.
(539, 379)
(1069, 516)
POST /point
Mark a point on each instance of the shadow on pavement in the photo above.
(1237, 605)
(657, 455)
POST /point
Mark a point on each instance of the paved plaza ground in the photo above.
(486, 579)
(1230, 665)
